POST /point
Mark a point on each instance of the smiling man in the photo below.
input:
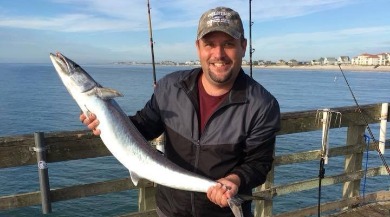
(218, 121)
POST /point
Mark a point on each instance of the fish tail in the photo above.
(235, 205)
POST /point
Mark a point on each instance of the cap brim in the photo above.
(232, 33)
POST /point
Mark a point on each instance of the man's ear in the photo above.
(244, 43)
(197, 46)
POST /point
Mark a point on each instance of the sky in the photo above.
(102, 31)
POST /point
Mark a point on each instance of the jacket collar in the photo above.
(238, 93)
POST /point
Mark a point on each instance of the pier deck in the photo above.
(377, 209)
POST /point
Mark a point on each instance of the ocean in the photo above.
(32, 99)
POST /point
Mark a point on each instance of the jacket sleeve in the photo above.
(148, 120)
(259, 147)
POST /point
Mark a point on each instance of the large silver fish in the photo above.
(123, 139)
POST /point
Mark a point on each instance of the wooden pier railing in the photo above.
(45, 148)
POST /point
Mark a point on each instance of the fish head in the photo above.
(75, 78)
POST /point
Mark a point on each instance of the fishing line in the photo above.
(367, 139)
(376, 143)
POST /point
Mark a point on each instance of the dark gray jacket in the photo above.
(238, 138)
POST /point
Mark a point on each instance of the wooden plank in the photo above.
(316, 154)
(378, 209)
(61, 146)
(313, 183)
(20, 200)
(337, 205)
(15, 151)
(93, 189)
(148, 213)
(353, 162)
(71, 192)
(297, 122)
(74, 145)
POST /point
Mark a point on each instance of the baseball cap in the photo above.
(221, 19)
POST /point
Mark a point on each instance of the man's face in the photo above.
(220, 56)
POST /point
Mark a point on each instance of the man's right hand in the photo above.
(91, 122)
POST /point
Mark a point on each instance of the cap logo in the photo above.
(219, 17)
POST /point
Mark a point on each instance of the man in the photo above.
(218, 121)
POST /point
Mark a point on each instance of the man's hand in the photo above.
(225, 188)
(91, 122)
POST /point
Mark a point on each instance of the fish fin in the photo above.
(134, 178)
(235, 205)
(106, 93)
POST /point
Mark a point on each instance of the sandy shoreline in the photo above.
(327, 67)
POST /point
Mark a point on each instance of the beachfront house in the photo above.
(344, 60)
(281, 62)
(293, 62)
(317, 62)
(330, 61)
(366, 60)
(384, 59)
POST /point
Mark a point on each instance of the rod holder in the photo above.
(325, 117)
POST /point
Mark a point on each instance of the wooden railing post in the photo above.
(263, 208)
(353, 162)
(146, 199)
(146, 195)
(40, 149)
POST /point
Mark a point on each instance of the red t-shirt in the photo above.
(207, 104)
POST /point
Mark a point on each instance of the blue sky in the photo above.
(102, 31)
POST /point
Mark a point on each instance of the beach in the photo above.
(329, 67)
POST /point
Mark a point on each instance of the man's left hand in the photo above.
(226, 188)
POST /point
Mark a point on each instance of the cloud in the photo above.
(325, 36)
(123, 15)
(118, 29)
(313, 45)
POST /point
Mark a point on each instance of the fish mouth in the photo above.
(61, 61)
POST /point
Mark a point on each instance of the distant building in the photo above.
(316, 62)
(330, 61)
(168, 62)
(190, 63)
(344, 60)
(261, 62)
(281, 62)
(293, 62)
(320, 61)
(384, 59)
(366, 59)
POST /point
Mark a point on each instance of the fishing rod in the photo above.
(250, 37)
(376, 142)
(159, 141)
(151, 44)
